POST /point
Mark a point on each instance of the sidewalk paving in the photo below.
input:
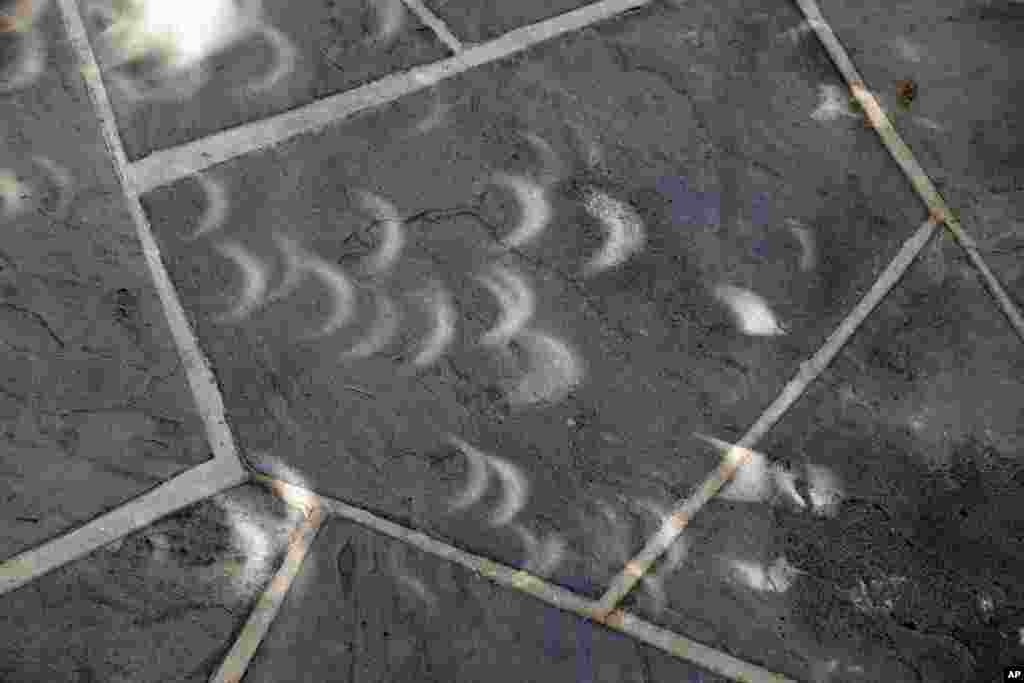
(563, 268)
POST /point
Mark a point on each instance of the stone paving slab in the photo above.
(920, 420)
(367, 608)
(683, 127)
(336, 45)
(91, 389)
(476, 22)
(162, 604)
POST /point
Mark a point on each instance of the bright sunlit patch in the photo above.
(180, 35)
(833, 104)
(751, 312)
(777, 577)
(825, 490)
(290, 486)
(541, 558)
(252, 541)
(554, 370)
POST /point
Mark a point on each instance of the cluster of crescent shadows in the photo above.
(178, 37)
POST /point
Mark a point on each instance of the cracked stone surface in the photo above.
(880, 539)
(336, 49)
(91, 389)
(370, 609)
(161, 604)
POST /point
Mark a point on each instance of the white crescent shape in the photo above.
(534, 204)
(61, 179)
(515, 490)
(285, 58)
(555, 369)
(479, 475)
(342, 292)
(516, 299)
(383, 330)
(553, 167)
(624, 227)
(254, 273)
(30, 64)
(444, 326)
(385, 213)
(541, 560)
(217, 206)
(752, 315)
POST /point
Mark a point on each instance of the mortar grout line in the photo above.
(907, 161)
(808, 371)
(314, 505)
(191, 486)
(436, 24)
(234, 665)
(205, 391)
(168, 165)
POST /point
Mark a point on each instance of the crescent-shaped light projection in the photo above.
(285, 58)
(13, 192)
(808, 252)
(29, 66)
(216, 206)
(291, 255)
(553, 169)
(750, 312)
(413, 585)
(342, 291)
(387, 217)
(443, 311)
(541, 559)
(391, 15)
(555, 369)
(383, 329)
(758, 480)
(624, 228)
(61, 179)
(254, 287)
(516, 299)
(533, 204)
(514, 490)
(479, 475)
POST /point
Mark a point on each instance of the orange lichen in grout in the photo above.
(11, 23)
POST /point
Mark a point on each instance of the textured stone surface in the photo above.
(364, 608)
(94, 407)
(160, 605)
